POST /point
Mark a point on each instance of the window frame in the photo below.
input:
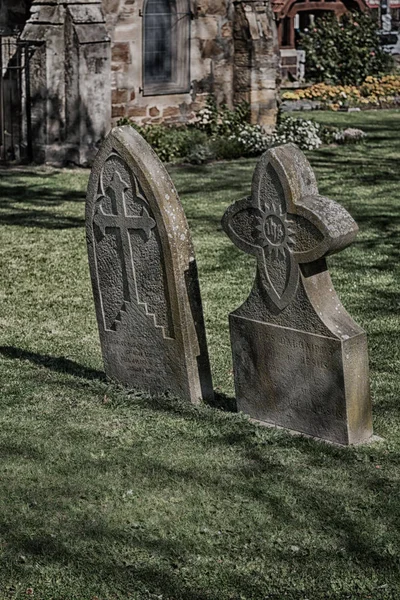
(180, 80)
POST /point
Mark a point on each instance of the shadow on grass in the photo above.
(188, 561)
(262, 476)
(41, 219)
(59, 363)
(64, 365)
(212, 178)
(37, 200)
(223, 402)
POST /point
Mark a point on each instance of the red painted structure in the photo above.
(294, 16)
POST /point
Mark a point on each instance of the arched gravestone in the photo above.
(300, 361)
(143, 273)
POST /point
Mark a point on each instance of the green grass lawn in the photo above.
(109, 494)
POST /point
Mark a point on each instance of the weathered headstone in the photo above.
(300, 361)
(144, 273)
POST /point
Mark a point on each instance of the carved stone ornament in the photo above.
(300, 361)
(143, 273)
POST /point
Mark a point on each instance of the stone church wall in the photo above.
(69, 80)
(86, 68)
(234, 56)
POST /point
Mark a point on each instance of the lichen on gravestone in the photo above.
(143, 272)
(300, 361)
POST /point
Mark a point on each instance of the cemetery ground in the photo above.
(107, 493)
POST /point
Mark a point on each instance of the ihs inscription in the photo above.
(274, 230)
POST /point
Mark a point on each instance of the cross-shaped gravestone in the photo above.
(300, 361)
(143, 273)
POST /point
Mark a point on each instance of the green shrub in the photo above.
(169, 142)
(218, 132)
(226, 149)
(200, 153)
(344, 51)
(224, 134)
(329, 134)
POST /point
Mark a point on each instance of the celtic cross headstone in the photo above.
(300, 361)
(143, 273)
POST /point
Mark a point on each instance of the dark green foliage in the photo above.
(344, 51)
(227, 149)
(328, 134)
(200, 154)
(217, 133)
(170, 143)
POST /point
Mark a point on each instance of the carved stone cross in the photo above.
(143, 271)
(124, 223)
(285, 223)
(300, 361)
(120, 219)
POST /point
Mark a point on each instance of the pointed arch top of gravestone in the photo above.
(143, 272)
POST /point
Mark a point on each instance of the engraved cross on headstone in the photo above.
(300, 361)
(140, 247)
(124, 223)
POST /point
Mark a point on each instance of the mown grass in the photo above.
(110, 494)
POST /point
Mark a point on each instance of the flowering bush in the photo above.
(221, 120)
(232, 126)
(344, 51)
(303, 133)
(207, 117)
(221, 133)
(373, 91)
(251, 138)
(308, 135)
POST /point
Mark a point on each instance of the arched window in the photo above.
(166, 36)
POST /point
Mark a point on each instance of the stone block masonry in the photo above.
(88, 69)
(71, 100)
(233, 55)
